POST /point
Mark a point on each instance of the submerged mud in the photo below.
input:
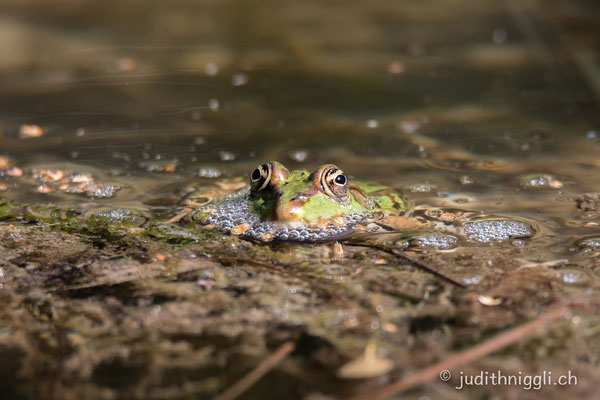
(118, 305)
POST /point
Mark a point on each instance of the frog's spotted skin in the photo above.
(300, 206)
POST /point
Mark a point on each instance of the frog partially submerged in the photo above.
(299, 205)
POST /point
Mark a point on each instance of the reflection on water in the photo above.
(476, 107)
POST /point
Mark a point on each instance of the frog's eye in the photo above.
(260, 177)
(335, 183)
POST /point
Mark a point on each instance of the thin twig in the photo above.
(414, 261)
(457, 360)
(178, 216)
(258, 372)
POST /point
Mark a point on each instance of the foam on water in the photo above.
(497, 230)
(436, 240)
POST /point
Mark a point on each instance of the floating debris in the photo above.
(395, 67)
(409, 126)
(421, 188)
(544, 264)
(588, 202)
(30, 131)
(47, 175)
(126, 64)
(101, 190)
(497, 230)
(159, 166)
(207, 172)
(298, 155)
(540, 181)
(488, 300)
(445, 215)
(572, 276)
(71, 182)
(591, 243)
(214, 105)
(241, 228)
(239, 79)
(211, 69)
(45, 189)
(466, 180)
(15, 171)
(367, 365)
(472, 280)
(372, 123)
(120, 215)
(225, 155)
(4, 163)
(338, 252)
(404, 224)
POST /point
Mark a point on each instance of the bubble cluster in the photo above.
(435, 240)
(497, 230)
(540, 180)
(72, 182)
(234, 211)
(571, 276)
(102, 190)
(473, 280)
(422, 188)
(120, 215)
(590, 243)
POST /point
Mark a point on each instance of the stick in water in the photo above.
(258, 372)
(457, 360)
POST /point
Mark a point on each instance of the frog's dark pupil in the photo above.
(256, 174)
(340, 179)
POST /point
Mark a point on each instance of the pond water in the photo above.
(484, 108)
(481, 108)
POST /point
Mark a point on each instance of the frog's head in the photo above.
(318, 197)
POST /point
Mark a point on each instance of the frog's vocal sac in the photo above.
(301, 206)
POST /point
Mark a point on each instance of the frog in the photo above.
(278, 204)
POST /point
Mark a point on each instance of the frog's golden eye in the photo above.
(260, 177)
(335, 183)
